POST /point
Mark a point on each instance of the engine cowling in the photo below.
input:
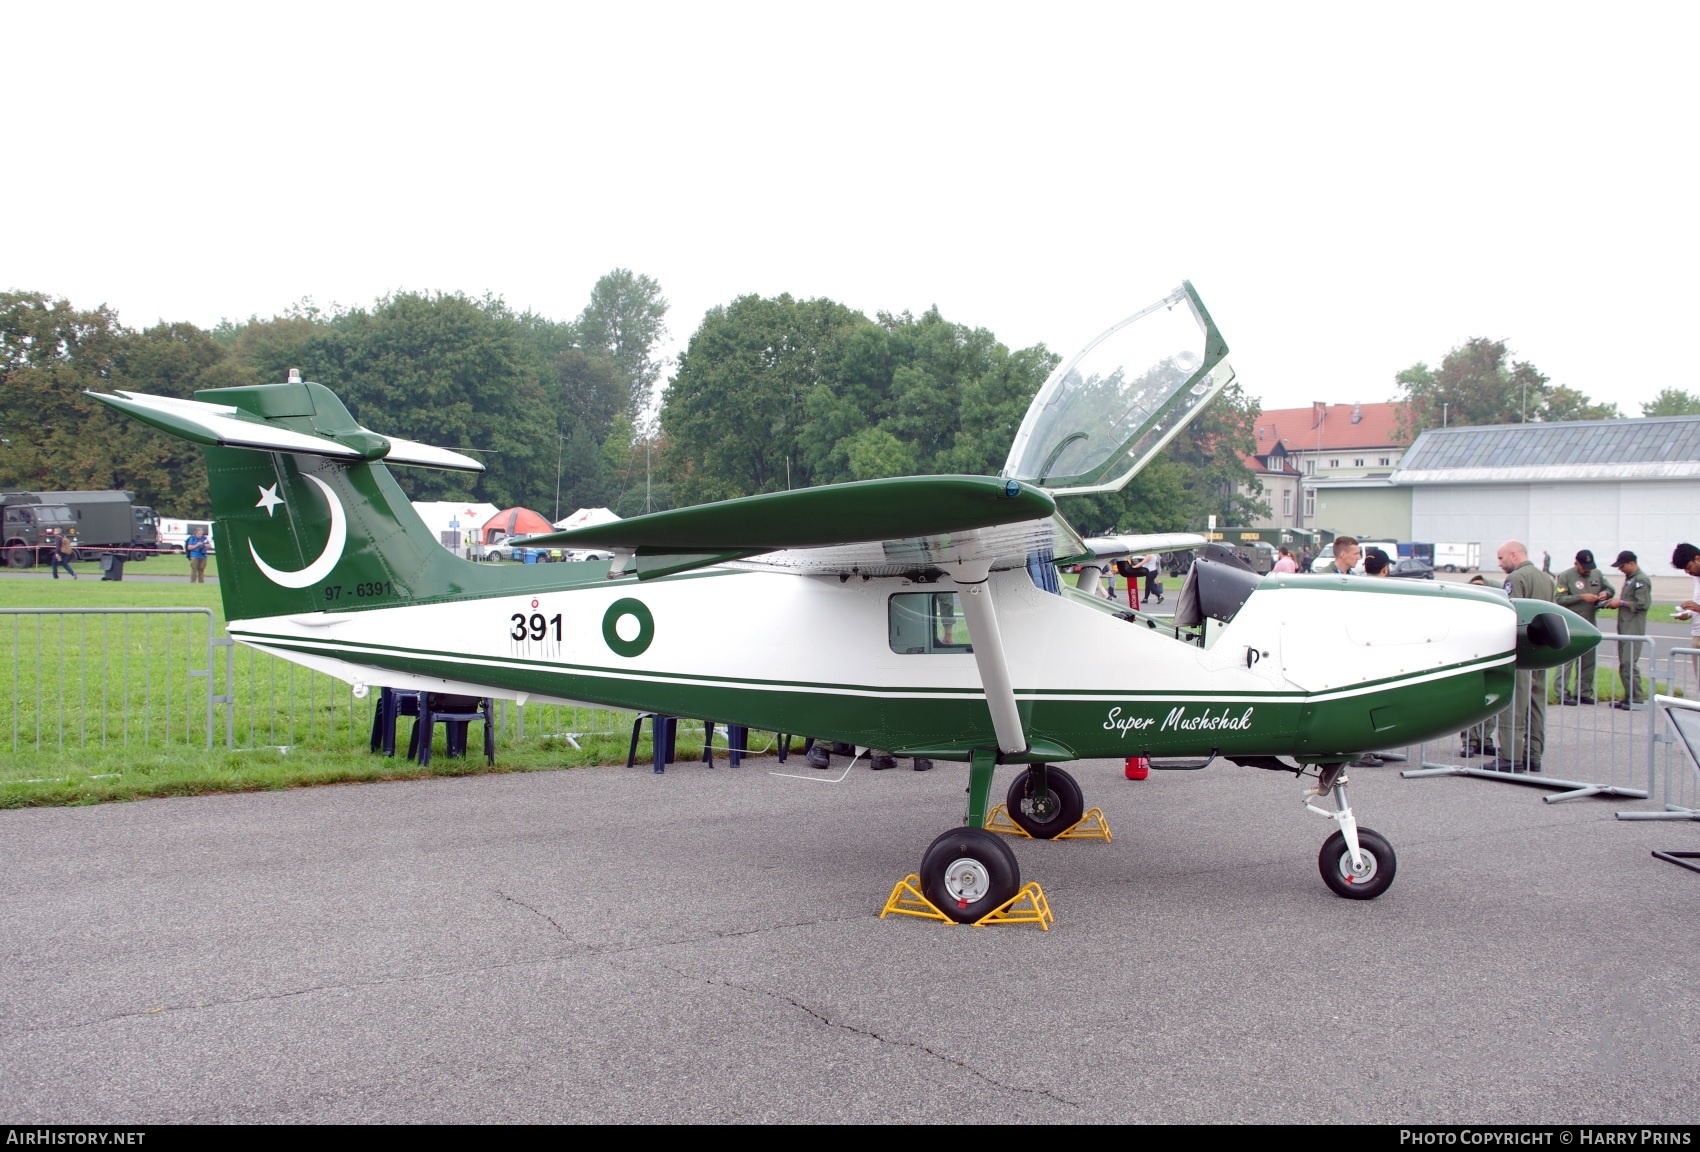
(1549, 634)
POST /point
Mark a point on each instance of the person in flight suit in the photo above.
(1528, 711)
(1347, 555)
(1582, 590)
(1631, 605)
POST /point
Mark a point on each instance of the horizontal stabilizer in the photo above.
(220, 425)
(228, 426)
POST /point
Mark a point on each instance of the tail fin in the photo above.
(305, 517)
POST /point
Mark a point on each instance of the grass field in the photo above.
(109, 706)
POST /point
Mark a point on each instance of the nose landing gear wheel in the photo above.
(1049, 816)
(1367, 882)
(967, 872)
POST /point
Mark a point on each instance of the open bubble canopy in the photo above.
(1106, 411)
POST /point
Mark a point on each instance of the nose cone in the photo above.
(1549, 635)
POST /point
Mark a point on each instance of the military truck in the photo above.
(110, 524)
(33, 527)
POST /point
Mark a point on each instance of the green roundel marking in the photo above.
(646, 627)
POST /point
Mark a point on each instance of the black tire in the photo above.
(494, 556)
(967, 872)
(1336, 865)
(17, 556)
(1060, 811)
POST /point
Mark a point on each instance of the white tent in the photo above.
(585, 517)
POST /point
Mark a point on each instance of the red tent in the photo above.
(513, 522)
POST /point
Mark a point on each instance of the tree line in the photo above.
(1479, 383)
(769, 394)
(542, 402)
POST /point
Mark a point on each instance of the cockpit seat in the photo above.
(1218, 584)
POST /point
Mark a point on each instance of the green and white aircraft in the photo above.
(950, 634)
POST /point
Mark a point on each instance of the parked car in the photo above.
(520, 550)
(1413, 568)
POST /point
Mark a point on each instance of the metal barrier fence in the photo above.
(1681, 771)
(1682, 672)
(82, 678)
(1563, 744)
(100, 676)
(1673, 755)
(1679, 733)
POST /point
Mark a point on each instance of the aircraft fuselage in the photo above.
(1310, 666)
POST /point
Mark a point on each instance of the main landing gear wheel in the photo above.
(1049, 816)
(967, 872)
(1366, 883)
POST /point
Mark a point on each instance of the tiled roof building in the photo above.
(1296, 449)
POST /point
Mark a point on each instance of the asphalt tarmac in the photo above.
(609, 945)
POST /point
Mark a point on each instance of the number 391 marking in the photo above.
(535, 627)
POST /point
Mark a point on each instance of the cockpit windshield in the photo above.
(1103, 414)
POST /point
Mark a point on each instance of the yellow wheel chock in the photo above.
(1091, 826)
(999, 820)
(1027, 906)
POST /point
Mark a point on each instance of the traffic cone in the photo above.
(1138, 767)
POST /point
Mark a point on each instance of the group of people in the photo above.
(1348, 554)
(1584, 590)
(64, 551)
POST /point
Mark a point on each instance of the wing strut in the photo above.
(982, 617)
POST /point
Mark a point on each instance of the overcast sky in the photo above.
(1349, 188)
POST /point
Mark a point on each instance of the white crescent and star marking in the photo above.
(315, 572)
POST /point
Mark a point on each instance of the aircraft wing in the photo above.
(873, 527)
(998, 547)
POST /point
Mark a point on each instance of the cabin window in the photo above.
(1042, 567)
(928, 622)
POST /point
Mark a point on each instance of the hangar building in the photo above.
(1598, 484)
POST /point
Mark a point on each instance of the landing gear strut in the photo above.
(1355, 862)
